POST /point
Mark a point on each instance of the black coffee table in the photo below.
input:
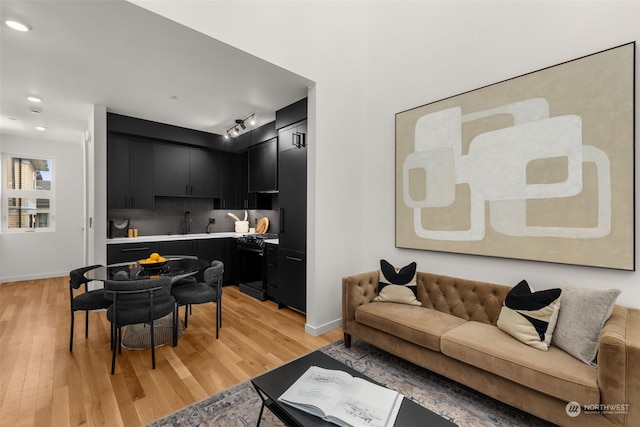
(273, 383)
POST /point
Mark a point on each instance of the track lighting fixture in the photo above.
(242, 124)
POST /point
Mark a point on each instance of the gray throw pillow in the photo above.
(583, 313)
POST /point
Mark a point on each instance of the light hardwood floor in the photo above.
(43, 384)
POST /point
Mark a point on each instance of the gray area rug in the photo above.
(240, 405)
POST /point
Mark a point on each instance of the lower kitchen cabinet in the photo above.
(292, 279)
(126, 252)
(271, 271)
(206, 249)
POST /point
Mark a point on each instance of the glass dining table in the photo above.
(176, 267)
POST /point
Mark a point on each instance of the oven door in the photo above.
(251, 271)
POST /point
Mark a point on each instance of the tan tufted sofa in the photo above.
(455, 335)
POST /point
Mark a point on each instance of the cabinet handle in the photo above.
(298, 139)
(281, 220)
(133, 249)
(292, 258)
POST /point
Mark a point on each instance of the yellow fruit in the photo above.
(154, 256)
(161, 259)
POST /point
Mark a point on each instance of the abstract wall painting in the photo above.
(538, 167)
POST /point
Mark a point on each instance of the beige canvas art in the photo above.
(538, 167)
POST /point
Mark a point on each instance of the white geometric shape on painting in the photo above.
(530, 110)
(498, 159)
(475, 232)
(509, 216)
(440, 129)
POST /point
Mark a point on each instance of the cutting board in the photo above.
(262, 226)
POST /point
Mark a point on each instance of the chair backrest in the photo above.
(76, 277)
(136, 290)
(214, 273)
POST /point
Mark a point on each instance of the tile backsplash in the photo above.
(168, 217)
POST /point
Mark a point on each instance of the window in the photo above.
(28, 196)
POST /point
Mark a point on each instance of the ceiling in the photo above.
(136, 63)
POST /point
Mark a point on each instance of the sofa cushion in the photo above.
(418, 325)
(582, 316)
(554, 372)
(397, 284)
(530, 316)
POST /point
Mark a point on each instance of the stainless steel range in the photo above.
(251, 264)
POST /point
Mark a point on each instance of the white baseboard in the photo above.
(322, 329)
(33, 277)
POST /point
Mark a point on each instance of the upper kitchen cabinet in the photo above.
(129, 174)
(185, 172)
(229, 177)
(291, 114)
(263, 167)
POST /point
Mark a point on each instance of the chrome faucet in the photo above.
(187, 222)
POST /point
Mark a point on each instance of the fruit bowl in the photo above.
(153, 268)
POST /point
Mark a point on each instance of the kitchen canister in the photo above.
(242, 226)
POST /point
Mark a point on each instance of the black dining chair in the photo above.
(138, 302)
(202, 292)
(84, 301)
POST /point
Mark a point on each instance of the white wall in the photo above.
(423, 52)
(26, 256)
(371, 60)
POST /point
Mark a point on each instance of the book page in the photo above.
(367, 404)
(317, 388)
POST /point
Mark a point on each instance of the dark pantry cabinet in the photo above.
(129, 174)
(292, 184)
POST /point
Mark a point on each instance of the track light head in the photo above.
(241, 123)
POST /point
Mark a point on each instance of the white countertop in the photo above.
(168, 237)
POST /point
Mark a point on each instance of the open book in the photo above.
(337, 397)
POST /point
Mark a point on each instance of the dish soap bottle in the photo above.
(210, 225)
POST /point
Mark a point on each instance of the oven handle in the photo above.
(247, 249)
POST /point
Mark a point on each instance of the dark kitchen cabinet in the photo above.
(251, 200)
(185, 172)
(230, 182)
(206, 249)
(271, 270)
(129, 174)
(292, 182)
(263, 167)
(125, 252)
(291, 114)
(292, 199)
(292, 283)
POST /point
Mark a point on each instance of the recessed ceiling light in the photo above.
(173, 97)
(34, 99)
(35, 110)
(17, 25)
(41, 128)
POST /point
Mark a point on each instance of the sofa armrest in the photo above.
(357, 290)
(619, 366)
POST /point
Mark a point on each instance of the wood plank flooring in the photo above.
(43, 384)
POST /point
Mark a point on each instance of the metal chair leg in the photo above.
(114, 339)
(153, 346)
(71, 336)
(86, 324)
